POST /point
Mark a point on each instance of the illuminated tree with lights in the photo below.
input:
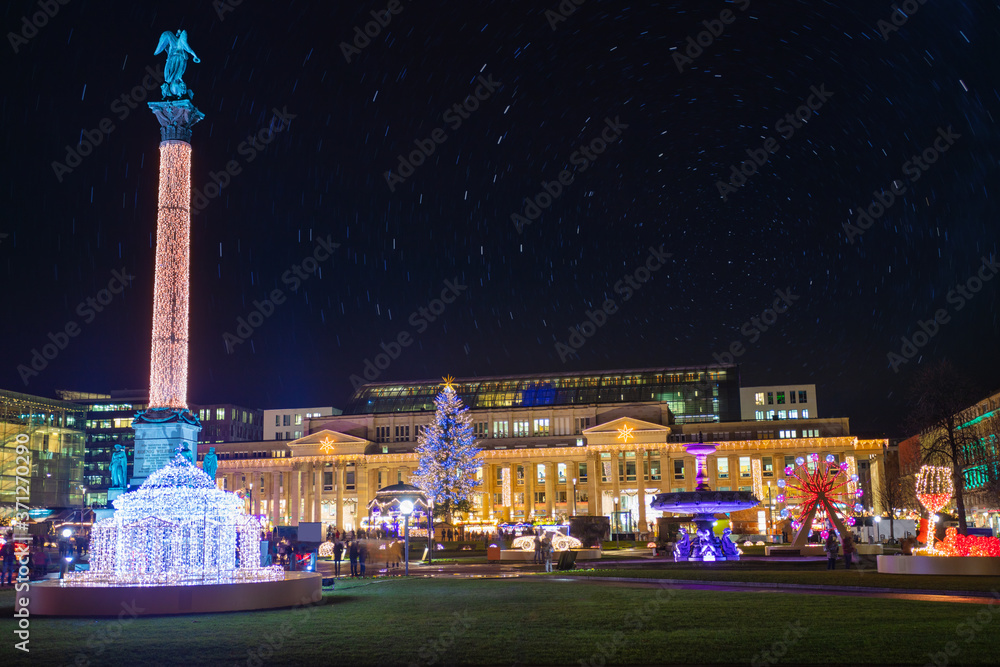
(449, 458)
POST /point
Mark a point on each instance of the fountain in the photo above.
(176, 545)
(704, 503)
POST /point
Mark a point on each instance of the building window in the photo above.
(498, 499)
(298, 434)
(540, 473)
(789, 461)
(286, 420)
(402, 433)
(758, 398)
(770, 398)
(499, 470)
(723, 465)
(582, 423)
(744, 466)
(298, 419)
(500, 429)
(782, 414)
(521, 429)
(277, 420)
(541, 427)
(539, 496)
(630, 471)
(678, 469)
(419, 430)
(791, 397)
(793, 414)
(220, 414)
(805, 414)
(381, 434)
(520, 475)
(481, 429)
(654, 470)
(561, 473)
(759, 415)
(768, 465)
(770, 415)
(581, 472)
(802, 397)
(781, 398)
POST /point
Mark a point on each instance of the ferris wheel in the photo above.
(817, 495)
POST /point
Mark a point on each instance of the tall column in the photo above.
(362, 491)
(318, 492)
(550, 489)
(338, 480)
(640, 477)
(529, 489)
(295, 484)
(308, 492)
(616, 492)
(594, 484)
(275, 497)
(167, 423)
(666, 470)
(258, 491)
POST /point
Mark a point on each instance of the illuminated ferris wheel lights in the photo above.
(781, 482)
(799, 461)
(830, 458)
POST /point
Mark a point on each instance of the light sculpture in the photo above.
(817, 492)
(560, 542)
(934, 488)
(177, 528)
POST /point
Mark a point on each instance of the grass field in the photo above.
(533, 621)
(794, 572)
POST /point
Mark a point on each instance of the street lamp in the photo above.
(878, 537)
(406, 509)
(574, 496)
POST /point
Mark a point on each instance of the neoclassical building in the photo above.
(553, 446)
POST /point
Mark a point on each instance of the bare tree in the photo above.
(942, 401)
(893, 493)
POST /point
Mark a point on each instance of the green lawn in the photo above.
(841, 578)
(532, 621)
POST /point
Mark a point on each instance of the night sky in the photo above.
(549, 92)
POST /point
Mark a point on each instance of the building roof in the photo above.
(677, 385)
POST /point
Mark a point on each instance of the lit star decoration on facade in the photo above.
(169, 357)
(448, 384)
(326, 444)
(625, 432)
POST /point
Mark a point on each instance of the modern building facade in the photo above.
(788, 401)
(291, 423)
(41, 459)
(108, 422)
(553, 446)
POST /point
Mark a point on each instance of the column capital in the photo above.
(176, 119)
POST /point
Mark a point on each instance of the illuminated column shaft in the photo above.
(169, 357)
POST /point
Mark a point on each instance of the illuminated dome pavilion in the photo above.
(177, 528)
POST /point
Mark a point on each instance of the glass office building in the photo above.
(693, 394)
(52, 435)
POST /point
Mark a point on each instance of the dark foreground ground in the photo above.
(535, 620)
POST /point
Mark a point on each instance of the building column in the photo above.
(666, 470)
(318, 492)
(550, 489)
(640, 476)
(258, 491)
(338, 480)
(295, 488)
(361, 490)
(616, 490)
(529, 489)
(275, 497)
(307, 492)
(594, 472)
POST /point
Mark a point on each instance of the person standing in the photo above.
(547, 552)
(362, 556)
(9, 560)
(352, 551)
(538, 550)
(338, 554)
(848, 550)
(832, 549)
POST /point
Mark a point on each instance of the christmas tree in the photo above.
(448, 455)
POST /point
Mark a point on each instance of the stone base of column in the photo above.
(159, 434)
